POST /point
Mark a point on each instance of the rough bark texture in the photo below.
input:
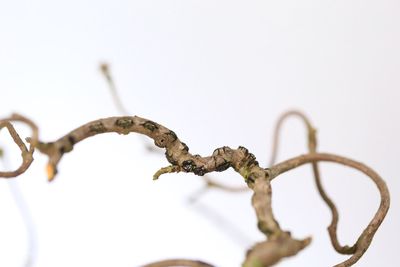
(278, 243)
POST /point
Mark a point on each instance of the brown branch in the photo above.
(178, 262)
(26, 153)
(270, 252)
(312, 147)
(105, 70)
(178, 155)
(366, 236)
(279, 243)
(210, 183)
(311, 140)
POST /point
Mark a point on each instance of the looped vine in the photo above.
(26, 154)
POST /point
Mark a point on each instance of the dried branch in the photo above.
(209, 183)
(274, 151)
(279, 243)
(312, 148)
(26, 153)
(178, 155)
(105, 70)
(366, 236)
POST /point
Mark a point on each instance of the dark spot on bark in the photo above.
(188, 165)
(67, 145)
(251, 160)
(149, 125)
(221, 150)
(250, 179)
(185, 147)
(215, 152)
(223, 166)
(244, 150)
(173, 136)
(161, 140)
(71, 140)
(97, 127)
(199, 170)
(124, 123)
(226, 149)
(164, 139)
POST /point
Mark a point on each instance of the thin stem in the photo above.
(312, 147)
(105, 70)
(366, 236)
(274, 151)
(25, 153)
(278, 126)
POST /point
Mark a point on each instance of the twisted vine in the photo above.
(278, 243)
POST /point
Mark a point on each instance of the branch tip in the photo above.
(51, 172)
(169, 169)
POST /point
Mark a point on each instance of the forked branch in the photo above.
(278, 243)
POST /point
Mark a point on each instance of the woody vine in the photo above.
(278, 242)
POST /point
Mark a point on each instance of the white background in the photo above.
(217, 73)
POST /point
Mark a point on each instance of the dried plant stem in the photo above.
(105, 70)
(178, 155)
(117, 101)
(279, 243)
(210, 183)
(26, 153)
(312, 147)
(366, 236)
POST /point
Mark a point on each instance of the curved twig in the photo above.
(312, 147)
(275, 145)
(279, 243)
(26, 153)
(177, 153)
(312, 141)
(105, 70)
(366, 236)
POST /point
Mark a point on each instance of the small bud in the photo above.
(51, 172)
